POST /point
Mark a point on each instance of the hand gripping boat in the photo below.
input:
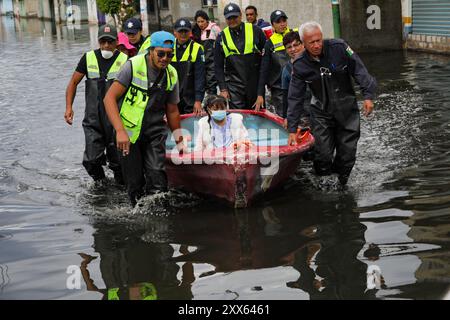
(237, 176)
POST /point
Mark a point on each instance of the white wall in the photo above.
(6, 5)
(407, 16)
(92, 11)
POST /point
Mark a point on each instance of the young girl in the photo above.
(219, 129)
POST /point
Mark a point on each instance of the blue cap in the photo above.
(132, 25)
(159, 38)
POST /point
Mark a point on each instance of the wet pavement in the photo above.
(298, 243)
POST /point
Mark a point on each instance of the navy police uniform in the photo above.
(335, 118)
(239, 73)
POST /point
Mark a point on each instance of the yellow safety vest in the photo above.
(146, 289)
(277, 39)
(145, 46)
(136, 99)
(94, 70)
(185, 57)
(228, 45)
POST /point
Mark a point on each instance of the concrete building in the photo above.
(360, 27)
(372, 25)
(41, 9)
(5, 6)
(427, 25)
(298, 11)
(366, 26)
(60, 11)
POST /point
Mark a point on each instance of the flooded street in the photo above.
(298, 243)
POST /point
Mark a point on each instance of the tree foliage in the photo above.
(111, 7)
(121, 9)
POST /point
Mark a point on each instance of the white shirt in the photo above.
(204, 139)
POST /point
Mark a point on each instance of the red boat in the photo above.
(238, 177)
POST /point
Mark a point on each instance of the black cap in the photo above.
(132, 25)
(107, 31)
(231, 10)
(182, 24)
(277, 14)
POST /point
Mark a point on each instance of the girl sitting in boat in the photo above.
(220, 129)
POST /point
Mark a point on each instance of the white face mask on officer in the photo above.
(106, 54)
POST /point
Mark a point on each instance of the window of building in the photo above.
(205, 3)
(164, 4)
(151, 6)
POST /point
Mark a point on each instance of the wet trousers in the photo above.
(185, 108)
(336, 141)
(276, 100)
(98, 134)
(143, 168)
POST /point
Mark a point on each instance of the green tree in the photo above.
(119, 9)
(111, 7)
(127, 11)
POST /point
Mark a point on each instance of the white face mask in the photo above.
(107, 54)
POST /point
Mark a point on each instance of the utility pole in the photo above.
(158, 12)
(336, 18)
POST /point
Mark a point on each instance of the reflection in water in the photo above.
(323, 246)
(328, 266)
(134, 269)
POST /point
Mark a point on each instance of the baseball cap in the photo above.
(123, 40)
(107, 31)
(231, 10)
(157, 39)
(277, 14)
(182, 24)
(132, 25)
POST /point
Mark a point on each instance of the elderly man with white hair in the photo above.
(327, 67)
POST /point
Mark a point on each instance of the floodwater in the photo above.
(61, 237)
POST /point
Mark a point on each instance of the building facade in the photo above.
(375, 24)
(299, 11)
(427, 25)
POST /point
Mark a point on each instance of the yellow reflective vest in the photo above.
(136, 99)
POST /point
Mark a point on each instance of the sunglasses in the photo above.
(162, 54)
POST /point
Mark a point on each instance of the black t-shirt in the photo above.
(103, 64)
(140, 43)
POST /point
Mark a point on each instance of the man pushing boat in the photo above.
(148, 85)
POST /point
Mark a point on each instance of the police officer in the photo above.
(100, 67)
(237, 58)
(189, 61)
(148, 85)
(133, 29)
(327, 67)
(273, 61)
